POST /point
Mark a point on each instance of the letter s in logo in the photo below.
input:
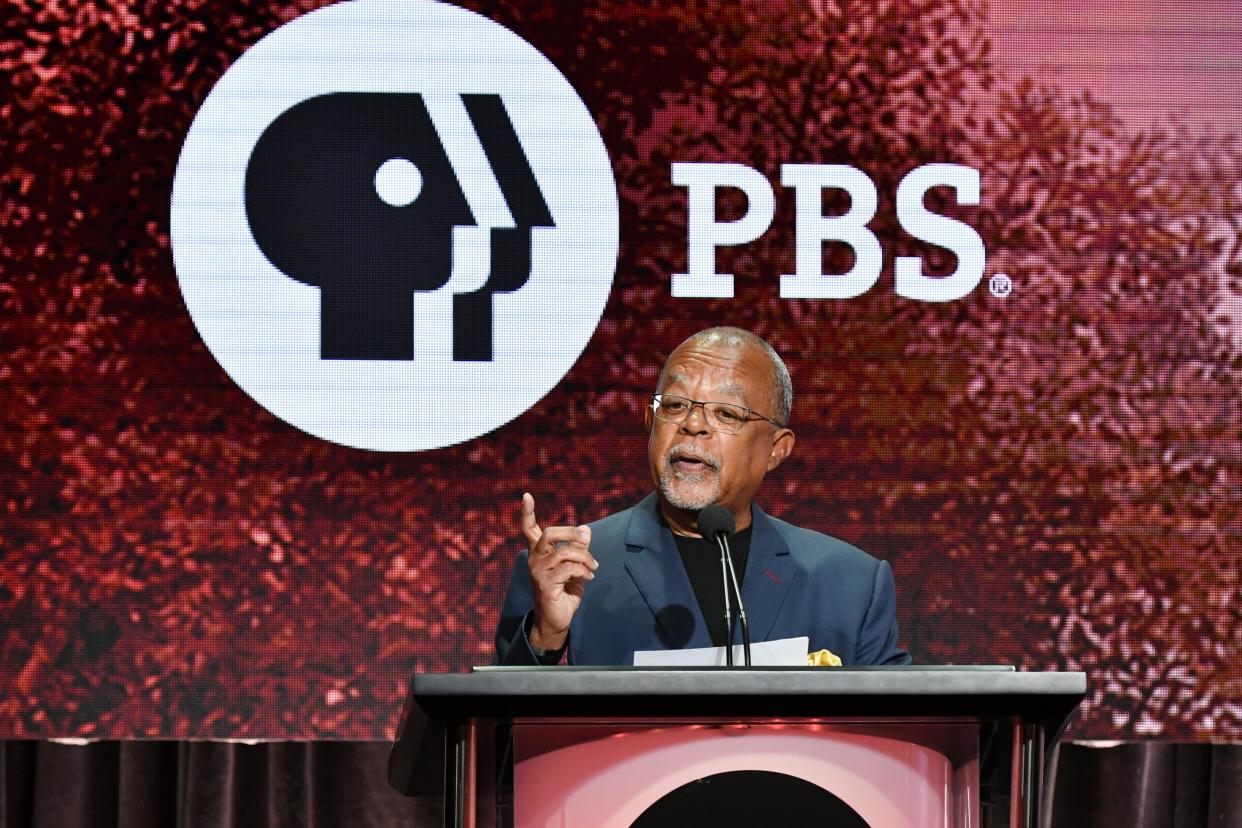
(375, 232)
(960, 238)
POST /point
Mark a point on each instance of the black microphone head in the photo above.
(716, 520)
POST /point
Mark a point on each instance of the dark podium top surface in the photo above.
(510, 693)
(635, 695)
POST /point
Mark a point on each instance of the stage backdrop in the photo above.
(247, 490)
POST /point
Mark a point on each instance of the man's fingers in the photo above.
(530, 527)
(569, 552)
(577, 535)
(567, 571)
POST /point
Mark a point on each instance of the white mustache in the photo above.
(707, 457)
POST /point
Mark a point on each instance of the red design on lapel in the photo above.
(769, 573)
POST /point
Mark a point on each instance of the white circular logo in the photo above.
(395, 224)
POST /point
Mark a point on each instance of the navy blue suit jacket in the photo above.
(797, 582)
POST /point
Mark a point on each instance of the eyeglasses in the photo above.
(719, 416)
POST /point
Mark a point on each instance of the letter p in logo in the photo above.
(368, 242)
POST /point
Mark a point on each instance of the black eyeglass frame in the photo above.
(751, 414)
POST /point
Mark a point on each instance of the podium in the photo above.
(918, 746)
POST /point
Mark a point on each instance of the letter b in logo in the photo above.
(380, 213)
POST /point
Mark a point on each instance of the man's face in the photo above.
(693, 466)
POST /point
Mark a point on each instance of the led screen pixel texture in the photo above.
(1055, 476)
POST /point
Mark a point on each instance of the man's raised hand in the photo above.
(560, 565)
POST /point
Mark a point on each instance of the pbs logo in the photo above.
(394, 224)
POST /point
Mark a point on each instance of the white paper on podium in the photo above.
(788, 652)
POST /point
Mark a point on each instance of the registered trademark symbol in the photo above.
(1000, 285)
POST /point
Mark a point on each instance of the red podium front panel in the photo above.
(608, 777)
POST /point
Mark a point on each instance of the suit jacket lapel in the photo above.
(656, 568)
(770, 571)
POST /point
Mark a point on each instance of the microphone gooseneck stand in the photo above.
(716, 522)
(723, 541)
(724, 577)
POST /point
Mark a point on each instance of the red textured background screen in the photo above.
(1055, 475)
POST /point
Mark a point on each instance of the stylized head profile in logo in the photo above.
(374, 209)
(304, 223)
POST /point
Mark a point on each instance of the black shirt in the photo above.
(701, 557)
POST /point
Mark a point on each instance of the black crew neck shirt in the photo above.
(701, 557)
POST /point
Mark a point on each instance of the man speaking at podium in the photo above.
(646, 578)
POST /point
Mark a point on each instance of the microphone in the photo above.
(716, 522)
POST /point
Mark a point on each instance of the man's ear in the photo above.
(782, 446)
(648, 417)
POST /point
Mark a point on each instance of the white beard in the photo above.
(690, 492)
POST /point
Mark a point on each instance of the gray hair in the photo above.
(738, 338)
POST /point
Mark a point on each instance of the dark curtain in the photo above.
(220, 785)
(1147, 784)
(202, 784)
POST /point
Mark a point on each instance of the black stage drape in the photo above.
(221, 785)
